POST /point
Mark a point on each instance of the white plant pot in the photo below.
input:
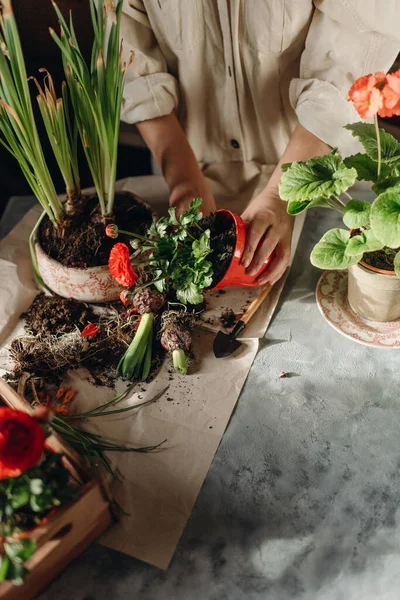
(374, 296)
(93, 284)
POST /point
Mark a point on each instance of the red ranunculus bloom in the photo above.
(120, 266)
(90, 330)
(21, 442)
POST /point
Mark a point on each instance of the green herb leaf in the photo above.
(364, 242)
(330, 252)
(315, 179)
(201, 247)
(385, 217)
(356, 214)
(36, 486)
(366, 133)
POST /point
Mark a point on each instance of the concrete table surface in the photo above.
(302, 498)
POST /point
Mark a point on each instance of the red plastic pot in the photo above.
(236, 275)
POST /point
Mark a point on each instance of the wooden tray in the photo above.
(70, 530)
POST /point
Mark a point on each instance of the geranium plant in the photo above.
(32, 483)
(373, 228)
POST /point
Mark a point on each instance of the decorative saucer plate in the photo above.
(332, 302)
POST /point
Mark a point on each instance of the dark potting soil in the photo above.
(81, 242)
(223, 240)
(380, 259)
(53, 315)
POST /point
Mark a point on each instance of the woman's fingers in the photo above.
(278, 265)
(257, 229)
(264, 250)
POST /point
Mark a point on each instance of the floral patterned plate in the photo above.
(331, 297)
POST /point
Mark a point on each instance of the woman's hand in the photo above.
(180, 198)
(270, 229)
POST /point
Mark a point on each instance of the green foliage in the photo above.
(385, 217)
(356, 214)
(297, 207)
(96, 92)
(16, 553)
(26, 499)
(366, 133)
(315, 179)
(18, 129)
(24, 502)
(363, 242)
(397, 264)
(366, 167)
(330, 252)
(179, 254)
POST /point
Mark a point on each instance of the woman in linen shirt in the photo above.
(231, 89)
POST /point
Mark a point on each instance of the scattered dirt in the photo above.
(223, 239)
(228, 318)
(82, 242)
(53, 315)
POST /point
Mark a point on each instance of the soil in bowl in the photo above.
(223, 240)
(82, 243)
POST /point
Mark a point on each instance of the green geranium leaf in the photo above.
(366, 167)
(356, 214)
(172, 217)
(21, 550)
(330, 252)
(397, 264)
(364, 242)
(384, 184)
(366, 133)
(320, 177)
(295, 207)
(385, 217)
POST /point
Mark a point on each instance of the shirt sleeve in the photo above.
(346, 39)
(150, 91)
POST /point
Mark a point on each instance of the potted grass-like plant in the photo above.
(370, 247)
(69, 248)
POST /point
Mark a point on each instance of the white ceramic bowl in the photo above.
(93, 284)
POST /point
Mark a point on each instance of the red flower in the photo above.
(376, 94)
(125, 297)
(21, 442)
(90, 330)
(120, 266)
(112, 231)
(366, 97)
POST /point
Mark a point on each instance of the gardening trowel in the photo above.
(226, 343)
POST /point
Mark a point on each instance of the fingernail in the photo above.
(246, 262)
(252, 271)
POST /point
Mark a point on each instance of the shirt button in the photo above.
(235, 144)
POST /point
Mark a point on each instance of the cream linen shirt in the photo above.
(240, 73)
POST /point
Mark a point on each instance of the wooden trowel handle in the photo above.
(255, 305)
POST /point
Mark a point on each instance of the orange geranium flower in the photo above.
(90, 330)
(120, 265)
(376, 94)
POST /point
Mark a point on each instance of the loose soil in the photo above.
(54, 344)
(228, 318)
(53, 315)
(223, 240)
(82, 242)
